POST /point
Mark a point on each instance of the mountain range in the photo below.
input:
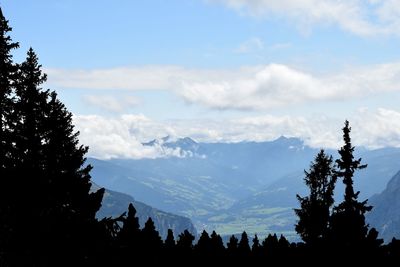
(231, 187)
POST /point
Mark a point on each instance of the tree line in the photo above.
(47, 208)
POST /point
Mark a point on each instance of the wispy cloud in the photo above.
(122, 137)
(252, 45)
(248, 88)
(363, 18)
(111, 103)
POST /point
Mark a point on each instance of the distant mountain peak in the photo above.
(290, 142)
(186, 140)
(181, 147)
(282, 138)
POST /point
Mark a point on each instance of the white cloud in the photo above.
(278, 85)
(356, 16)
(111, 103)
(122, 137)
(119, 138)
(252, 88)
(252, 45)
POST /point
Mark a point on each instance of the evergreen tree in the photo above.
(151, 238)
(184, 244)
(348, 227)
(130, 234)
(283, 243)
(314, 212)
(51, 168)
(7, 82)
(170, 243)
(203, 246)
(270, 245)
(243, 246)
(67, 174)
(256, 247)
(29, 183)
(217, 244)
(232, 245)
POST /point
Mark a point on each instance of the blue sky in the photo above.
(218, 70)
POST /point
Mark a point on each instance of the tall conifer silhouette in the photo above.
(7, 80)
(348, 227)
(314, 212)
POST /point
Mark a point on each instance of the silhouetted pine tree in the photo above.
(129, 237)
(243, 246)
(170, 243)
(184, 244)
(30, 108)
(270, 245)
(203, 246)
(232, 245)
(151, 238)
(7, 81)
(314, 212)
(348, 227)
(256, 247)
(283, 243)
(50, 175)
(217, 244)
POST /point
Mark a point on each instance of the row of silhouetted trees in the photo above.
(47, 209)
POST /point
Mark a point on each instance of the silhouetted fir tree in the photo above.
(256, 247)
(270, 245)
(232, 245)
(7, 81)
(67, 174)
(50, 176)
(314, 211)
(170, 243)
(169, 253)
(30, 166)
(243, 246)
(217, 244)
(184, 244)
(151, 237)
(348, 227)
(203, 246)
(283, 243)
(129, 235)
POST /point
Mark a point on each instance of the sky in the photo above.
(217, 70)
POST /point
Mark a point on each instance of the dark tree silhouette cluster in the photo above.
(47, 208)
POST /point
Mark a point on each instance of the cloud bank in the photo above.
(364, 18)
(111, 103)
(248, 88)
(122, 137)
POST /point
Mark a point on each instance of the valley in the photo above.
(231, 187)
